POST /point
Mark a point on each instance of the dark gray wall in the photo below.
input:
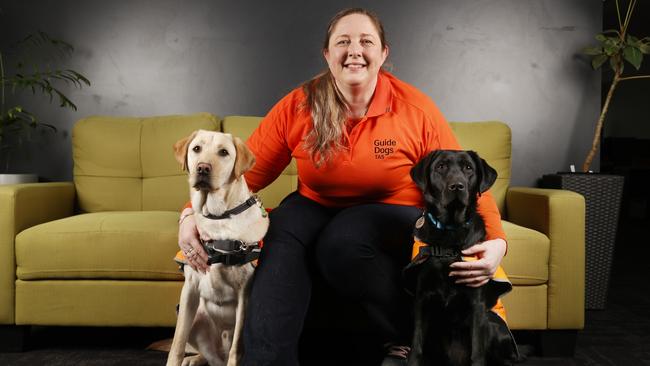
(509, 60)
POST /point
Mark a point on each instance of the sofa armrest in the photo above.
(559, 214)
(23, 206)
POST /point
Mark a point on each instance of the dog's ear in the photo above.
(245, 158)
(180, 149)
(485, 174)
(421, 171)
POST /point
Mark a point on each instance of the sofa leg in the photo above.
(558, 343)
(14, 338)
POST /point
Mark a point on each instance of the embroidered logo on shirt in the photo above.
(384, 148)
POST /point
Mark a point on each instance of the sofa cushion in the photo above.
(526, 262)
(127, 163)
(106, 245)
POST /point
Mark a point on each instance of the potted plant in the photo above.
(616, 46)
(603, 192)
(34, 70)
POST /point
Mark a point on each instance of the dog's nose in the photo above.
(458, 186)
(204, 169)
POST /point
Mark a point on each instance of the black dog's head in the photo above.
(451, 182)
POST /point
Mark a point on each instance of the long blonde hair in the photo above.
(328, 109)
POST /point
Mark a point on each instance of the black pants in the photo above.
(359, 251)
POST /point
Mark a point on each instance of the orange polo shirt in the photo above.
(401, 127)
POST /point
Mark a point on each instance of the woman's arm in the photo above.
(188, 241)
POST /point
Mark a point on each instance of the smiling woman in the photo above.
(355, 49)
(355, 54)
(355, 132)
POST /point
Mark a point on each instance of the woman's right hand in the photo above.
(188, 241)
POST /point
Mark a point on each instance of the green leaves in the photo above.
(16, 119)
(615, 48)
(44, 83)
(598, 61)
(619, 48)
(633, 55)
(36, 59)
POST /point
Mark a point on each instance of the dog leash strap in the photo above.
(250, 202)
(231, 259)
(437, 251)
(224, 245)
(231, 252)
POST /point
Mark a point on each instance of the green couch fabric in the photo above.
(23, 206)
(560, 215)
(136, 245)
(526, 261)
(97, 302)
(127, 164)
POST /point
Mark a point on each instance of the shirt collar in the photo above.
(382, 99)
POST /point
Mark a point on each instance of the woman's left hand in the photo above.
(478, 273)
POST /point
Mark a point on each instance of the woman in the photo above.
(355, 132)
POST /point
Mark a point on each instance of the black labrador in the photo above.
(453, 322)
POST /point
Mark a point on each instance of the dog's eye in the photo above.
(223, 152)
(196, 148)
(441, 166)
(468, 167)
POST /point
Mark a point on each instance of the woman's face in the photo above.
(355, 53)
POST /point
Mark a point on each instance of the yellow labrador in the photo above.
(232, 223)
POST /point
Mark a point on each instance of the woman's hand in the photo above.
(478, 273)
(188, 241)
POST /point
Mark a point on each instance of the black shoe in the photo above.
(396, 355)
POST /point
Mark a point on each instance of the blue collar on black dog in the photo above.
(440, 226)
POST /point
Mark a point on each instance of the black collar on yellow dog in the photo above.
(250, 202)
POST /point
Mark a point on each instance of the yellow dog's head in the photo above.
(213, 159)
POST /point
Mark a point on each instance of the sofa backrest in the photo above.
(492, 140)
(127, 163)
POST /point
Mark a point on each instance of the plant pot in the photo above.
(603, 194)
(18, 178)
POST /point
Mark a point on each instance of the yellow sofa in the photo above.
(97, 251)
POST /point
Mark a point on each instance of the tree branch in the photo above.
(599, 125)
(635, 77)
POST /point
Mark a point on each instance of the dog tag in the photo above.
(419, 223)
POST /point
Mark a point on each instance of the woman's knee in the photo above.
(363, 232)
(343, 245)
(296, 220)
(348, 261)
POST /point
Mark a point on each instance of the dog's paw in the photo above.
(196, 360)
